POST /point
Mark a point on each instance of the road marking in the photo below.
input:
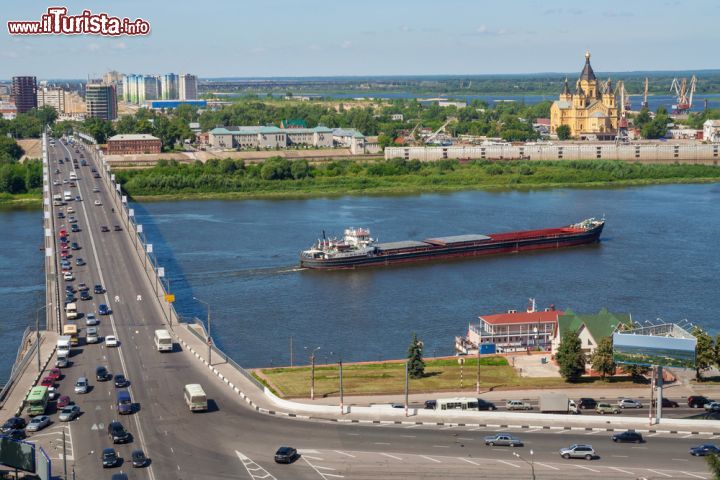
(465, 438)
(429, 458)
(620, 456)
(594, 432)
(251, 467)
(409, 436)
(391, 456)
(344, 453)
(546, 465)
(659, 473)
(468, 461)
(680, 459)
(381, 443)
(687, 436)
(693, 475)
(323, 475)
(325, 468)
(587, 468)
(621, 470)
(508, 463)
(653, 434)
(354, 434)
(441, 446)
(313, 458)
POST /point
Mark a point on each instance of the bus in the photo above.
(37, 400)
(195, 397)
(163, 341)
(71, 330)
(460, 403)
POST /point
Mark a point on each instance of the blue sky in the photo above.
(390, 37)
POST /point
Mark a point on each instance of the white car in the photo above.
(96, 189)
(111, 341)
(38, 423)
(98, 203)
(70, 210)
(68, 276)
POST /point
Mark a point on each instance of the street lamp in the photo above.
(37, 334)
(312, 372)
(209, 334)
(531, 463)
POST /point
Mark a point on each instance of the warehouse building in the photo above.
(133, 144)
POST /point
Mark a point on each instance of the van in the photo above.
(195, 397)
(124, 403)
(71, 311)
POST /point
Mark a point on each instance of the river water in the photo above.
(658, 257)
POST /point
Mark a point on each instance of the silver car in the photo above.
(629, 403)
(503, 439)
(91, 335)
(81, 386)
(69, 413)
(38, 423)
(91, 319)
(578, 451)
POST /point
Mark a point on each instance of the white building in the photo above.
(269, 137)
(187, 87)
(711, 131)
(168, 87)
(52, 97)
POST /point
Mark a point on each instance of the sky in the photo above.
(240, 38)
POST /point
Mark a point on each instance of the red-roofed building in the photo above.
(512, 331)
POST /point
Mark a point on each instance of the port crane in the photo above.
(622, 134)
(684, 93)
(644, 103)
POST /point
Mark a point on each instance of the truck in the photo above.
(63, 351)
(67, 195)
(557, 403)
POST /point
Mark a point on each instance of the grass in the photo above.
(21, 199)
(441, 375)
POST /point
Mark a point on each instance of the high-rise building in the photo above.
(101, 101)
(187, 87)
(150, 89)
(24, 93)
(169, 87)
(112, 77)
(53, 97)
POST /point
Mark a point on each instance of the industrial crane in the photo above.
(622, 135)
(684, 94)
(442, 128)
(645, 94)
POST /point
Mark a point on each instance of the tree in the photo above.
(563, 132)
(713, 461)
(602, 359)
(275, 168)
(636, 372)
(416, 364)
(299, 169)
(704, 351)
(642, 118)
(570, 357)
(46, 114)
(10, 151)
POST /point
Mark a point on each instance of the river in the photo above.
(658, 259)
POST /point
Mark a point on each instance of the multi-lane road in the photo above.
(233, 441)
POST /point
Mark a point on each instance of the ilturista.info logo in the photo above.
(57, 21)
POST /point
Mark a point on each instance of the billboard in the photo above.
(17, 454)
(651, 350)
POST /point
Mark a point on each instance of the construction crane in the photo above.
(622, 134)
(441, 129)
(684, 94)
(644, 103)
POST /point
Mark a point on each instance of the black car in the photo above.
(588, 403)
(99, 289)
(286, 455)
(84, 295)
(120, 380)
(698, 401)
(117, 433)
(484, 405)
(74, 246)
(706, 449)
(16, 434)
(102, 374)
(666, 402)
(109, 457)
(430, 404)
(118, 228)
(74, 228)
(104, 228)
(69, 289)
(627, 436)
(138, 458)
(13, 423)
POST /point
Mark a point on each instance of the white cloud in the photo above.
(346, 44)
(482, 29)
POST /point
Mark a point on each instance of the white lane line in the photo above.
(587, 468)
(656, 472)
(325, 468)
(693, 475)
(621, 470)
(441, 446)
(508, 463)
(465, 438)
(620, 456)
(382, 443)
(546, 465)
(354, 434)
(344, 453)
(251, 467)
(654, 434)
(429, 458)
(390, 456)
(313, 458)
(594, 432)
(324, 476)
(680, 459)
(468, 461)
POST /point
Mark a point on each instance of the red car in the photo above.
(63, 233)
(55, 374)
(47, 382)
(64, 254)
(63, 401)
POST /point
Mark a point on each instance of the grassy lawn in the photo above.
(389, 378)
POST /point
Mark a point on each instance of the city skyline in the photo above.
(316, 39)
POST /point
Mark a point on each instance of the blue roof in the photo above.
(176, 103)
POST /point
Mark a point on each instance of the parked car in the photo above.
(138, 458)
(109, 458)
(285, 455)
(38, 423)
(578, 451)
(16, 434)
(13, 423)
(69, 413)
(697, 401)
(63, 401)
(603, 408)
(81, 386)
(111, 341)
(503, 440)
(55, 374)
(47, 382)
(517, 405)
(627, 436)
(629, 403)
(587, 403)
(705, 449)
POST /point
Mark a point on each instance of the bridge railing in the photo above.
(19, 366)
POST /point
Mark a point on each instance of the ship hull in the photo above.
(507, 245)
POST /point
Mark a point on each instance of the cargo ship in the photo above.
(358, 249)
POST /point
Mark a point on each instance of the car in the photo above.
(578, 451)
(47, 382)
(603, 408)
(98, 289)
(91, 335)
(60, 215)
(96, 175)
(65, 181)
(712, 407)
(119, 476)
(16, 434)
(285, 455)
(13, 423)
(63, 401)
(96, 189)
(104, 228)
(69, 413)
(98, 203)
(79, 262)
(666, 402)
(91, 319)
(103, 309)
(70, 210)
(68, 276)
(83, 162)
(82, 286)
(102, 374)
(109, 458)
(120, 380)
(430, 404)
(627, 436)
(697, 401)
(69, 288)
(52, 393)
(587, 403)
(85, 295)
(73, 184)
(629, 403)
(503, 440)
(705, 449)
(38, 423)
(117, 432)
(111, 341)
(56, 182)
(74, 228)
(74, 246)
(117, 228)
(55, 374)
(138, 458)
(517, 405)
(81, 386)
(78, 198)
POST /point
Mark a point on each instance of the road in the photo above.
(233, 441)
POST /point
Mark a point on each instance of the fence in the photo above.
(19, 366)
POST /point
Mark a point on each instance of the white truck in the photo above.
(67, 195)
(62, 352)
(557, 403)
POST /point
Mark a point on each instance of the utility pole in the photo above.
(342, 409)
(209, 333)
(477, 386)
(291, 351)
(64, 456)
(407, 384)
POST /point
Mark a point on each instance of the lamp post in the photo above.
(37, 334)
(531, 463)
(209, 334)
(312, 372)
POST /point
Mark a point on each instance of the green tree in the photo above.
(704, 351)
(713, 461)
(10, 151)
(570, 357)
(642, 118)
(299, 169)
(46, 114)
(416, 364)
(275, 168)
(563, 132)
(98, 128)
(602, 358)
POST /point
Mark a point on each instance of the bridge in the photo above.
(245, 425)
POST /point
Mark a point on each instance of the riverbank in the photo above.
(33, 200)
